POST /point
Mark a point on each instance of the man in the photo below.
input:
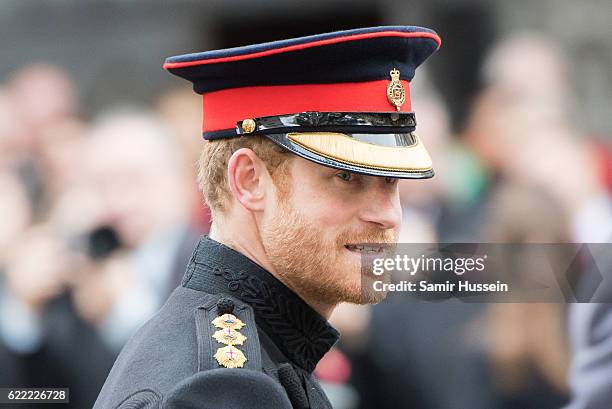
(306, 139)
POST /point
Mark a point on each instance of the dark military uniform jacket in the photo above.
(170, 362)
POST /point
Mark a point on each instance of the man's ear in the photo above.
(247, 176)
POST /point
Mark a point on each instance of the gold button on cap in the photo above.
(248, 125)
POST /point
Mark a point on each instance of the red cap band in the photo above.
(223, 109)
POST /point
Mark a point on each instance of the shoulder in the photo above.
(176, 344)
(227, 388)
(215, 388)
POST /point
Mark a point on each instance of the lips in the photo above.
(365, 248)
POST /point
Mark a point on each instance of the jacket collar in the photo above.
(301, 333)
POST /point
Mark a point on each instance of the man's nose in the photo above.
(381, 206)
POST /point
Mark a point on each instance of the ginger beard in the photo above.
(318, 267)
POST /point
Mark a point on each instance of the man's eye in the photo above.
(346, 176)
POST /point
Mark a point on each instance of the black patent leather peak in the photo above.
(389, 122)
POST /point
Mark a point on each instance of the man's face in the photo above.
(310, 231)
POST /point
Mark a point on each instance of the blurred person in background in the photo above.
(44, 341)
(142, 196)
(40, 150)
(44, 103)
(522, 129)
(39, 329)
(43, 94)
(60, 153)
(514, 355)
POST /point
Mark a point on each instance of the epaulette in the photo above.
(227, 334)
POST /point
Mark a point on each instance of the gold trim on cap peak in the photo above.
(343, 148)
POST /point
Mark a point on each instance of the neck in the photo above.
(324, 309)
(249, 243)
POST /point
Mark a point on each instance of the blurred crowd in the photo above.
(99, 217)
(98, 220)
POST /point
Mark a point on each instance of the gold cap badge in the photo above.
(396, 94)
(230, 357)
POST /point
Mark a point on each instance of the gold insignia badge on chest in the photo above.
(230, 357)
(228, 333)
(396, 94)
(228, 321)
(229, 336)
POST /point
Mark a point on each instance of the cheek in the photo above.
(319, 199)
(324, 210)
